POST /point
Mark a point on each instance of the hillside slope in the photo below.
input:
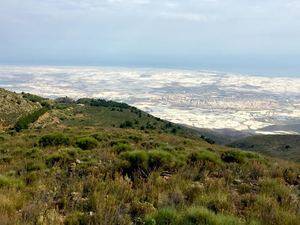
(280, 146)
(102, 162)
(13, 106)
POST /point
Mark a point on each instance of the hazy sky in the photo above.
(229, 34)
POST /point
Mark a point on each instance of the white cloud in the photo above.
(85, 29)
(185, 16)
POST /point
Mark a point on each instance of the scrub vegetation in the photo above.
(84, 163)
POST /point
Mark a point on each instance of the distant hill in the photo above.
(286, 128)
(280, 146)
(222, 136)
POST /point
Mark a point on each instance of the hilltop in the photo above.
(93, 161)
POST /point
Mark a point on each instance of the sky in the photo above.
(251, 36)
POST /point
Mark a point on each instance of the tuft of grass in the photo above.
(191, 216)
(267, 210)
(10, 182)
(33, 166)
(277, 190)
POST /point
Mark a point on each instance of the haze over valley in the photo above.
(202, 99)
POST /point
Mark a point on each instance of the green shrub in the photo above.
(267, 210)
(104, 103)
(207, 139)
(232, 157)
(163, 217)
(87, 143)
(100, 137)
(291, 177)
(10, 182)
(2, 138)
(204, 155)
(140, 209)
(76, 218)
(126, 124)
(146, 162)
(236, 156)
(33, 166)
(160, 159)
(200, 215)
(135, 138)
(6, 158)
(33, 153)
(57, 158)
(122, 147)
(193, 191)
(137, 160)
(33, 98)
(217, 202)
(118, 141)
(30, 178)
(23, 122)
(272, 187)
(55, 139)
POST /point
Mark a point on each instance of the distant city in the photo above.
(203, 99)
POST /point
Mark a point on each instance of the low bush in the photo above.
(267, 210)
(100, 137)
(137, 161)
(141, 209)
(163, 217)
(76, 218)
(236, 156)
(87, 143)
(217, 202)
(193, 191)
(291, 177)
(145, 162)
(161, 159)
(274, 188)
(57, 158)
(1, 138)
(30, 178)
(122, 147)
(33, 166)
(200, 215)
(55, 139)
(126, 124)
(204, 155)
(135, 138)
(33, 98)
(6, 158)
